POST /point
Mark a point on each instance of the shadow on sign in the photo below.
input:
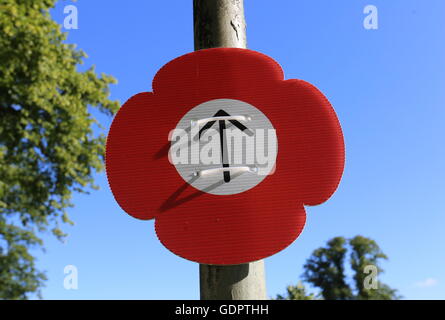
(173, 200)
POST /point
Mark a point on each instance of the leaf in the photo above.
(48, 149)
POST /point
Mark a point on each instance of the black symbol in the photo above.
(223, 138)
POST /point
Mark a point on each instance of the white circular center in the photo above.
(224, 146)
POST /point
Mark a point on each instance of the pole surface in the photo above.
(221, 23)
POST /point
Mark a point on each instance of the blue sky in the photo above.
(387, 88)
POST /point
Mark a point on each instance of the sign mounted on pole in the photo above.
(224, 154)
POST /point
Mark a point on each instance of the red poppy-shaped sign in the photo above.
(224, 154)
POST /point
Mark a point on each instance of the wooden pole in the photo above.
(221, 23)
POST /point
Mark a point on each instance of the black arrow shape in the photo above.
(224, 151)
(236, 123)
(223, 138)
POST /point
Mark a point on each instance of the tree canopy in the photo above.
(48, 149)
(297, 292)
(326, 270)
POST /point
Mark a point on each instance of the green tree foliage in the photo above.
(365, 252)
(47, 146)
(298, 292)
(325, 269)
